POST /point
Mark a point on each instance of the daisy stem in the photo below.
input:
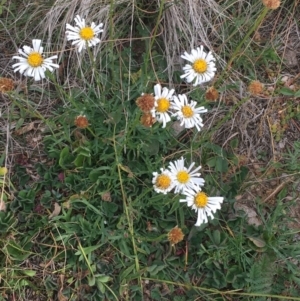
(2, 202)
(111, 22)
(95, 75)
(126, 205)
(91, 131)
(60, 90)
(237, 53)
(168, 252)
(133, 124)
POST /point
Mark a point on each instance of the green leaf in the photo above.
(100, 286)
(103, 279)
(234, 143)
(29, 273)
(117, 115)
(2, 158)
(221, 165)
(90, 206)
(16, 252)
(64, 157)
(84, 151)
(151, 148)
(232, 273)
(109, 208)
(212, 162)
(91, 280)
(78, 162)
(297, 93)
(98, 173)
(127, 272)
(19, 123)
(88, 250)
(153, 270)
(217, 237)
(287, 91)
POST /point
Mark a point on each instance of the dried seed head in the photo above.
(271, 4)
(6, 84)
(149, 226)
(147, 120)
(106, 196)
(146, 102)
(81, 122)
(255, 87)
(175, 236)
(211, 94)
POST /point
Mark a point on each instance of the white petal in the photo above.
(195, 54)
(188, 57)
(79, 21)
(73, 29)
(36, 74)
(26, 50)
(210, 57)
(157, 90)
(37, 45)
(201, 219)
(22, 68)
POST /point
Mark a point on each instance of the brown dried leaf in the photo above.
(242, 207)
(290, 57)
(25, 129)
(126, 169)
(2, 206)
(67, 204)
(260, 243)
(56, 211)
(251, 214)
(61, 297)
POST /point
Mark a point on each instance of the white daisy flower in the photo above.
(33, 63)
(187, 113)
(82, 34)
(185, 178)
(162, 105)
(203, 66)
(163, 182)
(202, 203)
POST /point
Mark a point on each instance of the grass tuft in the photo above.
(80, 216)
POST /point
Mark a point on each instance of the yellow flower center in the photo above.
(200, 200)
(35, 59)
(163, 105)
(200, 66)
(86, 33)
(183, 177)
(163, 181)
(187, 111)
